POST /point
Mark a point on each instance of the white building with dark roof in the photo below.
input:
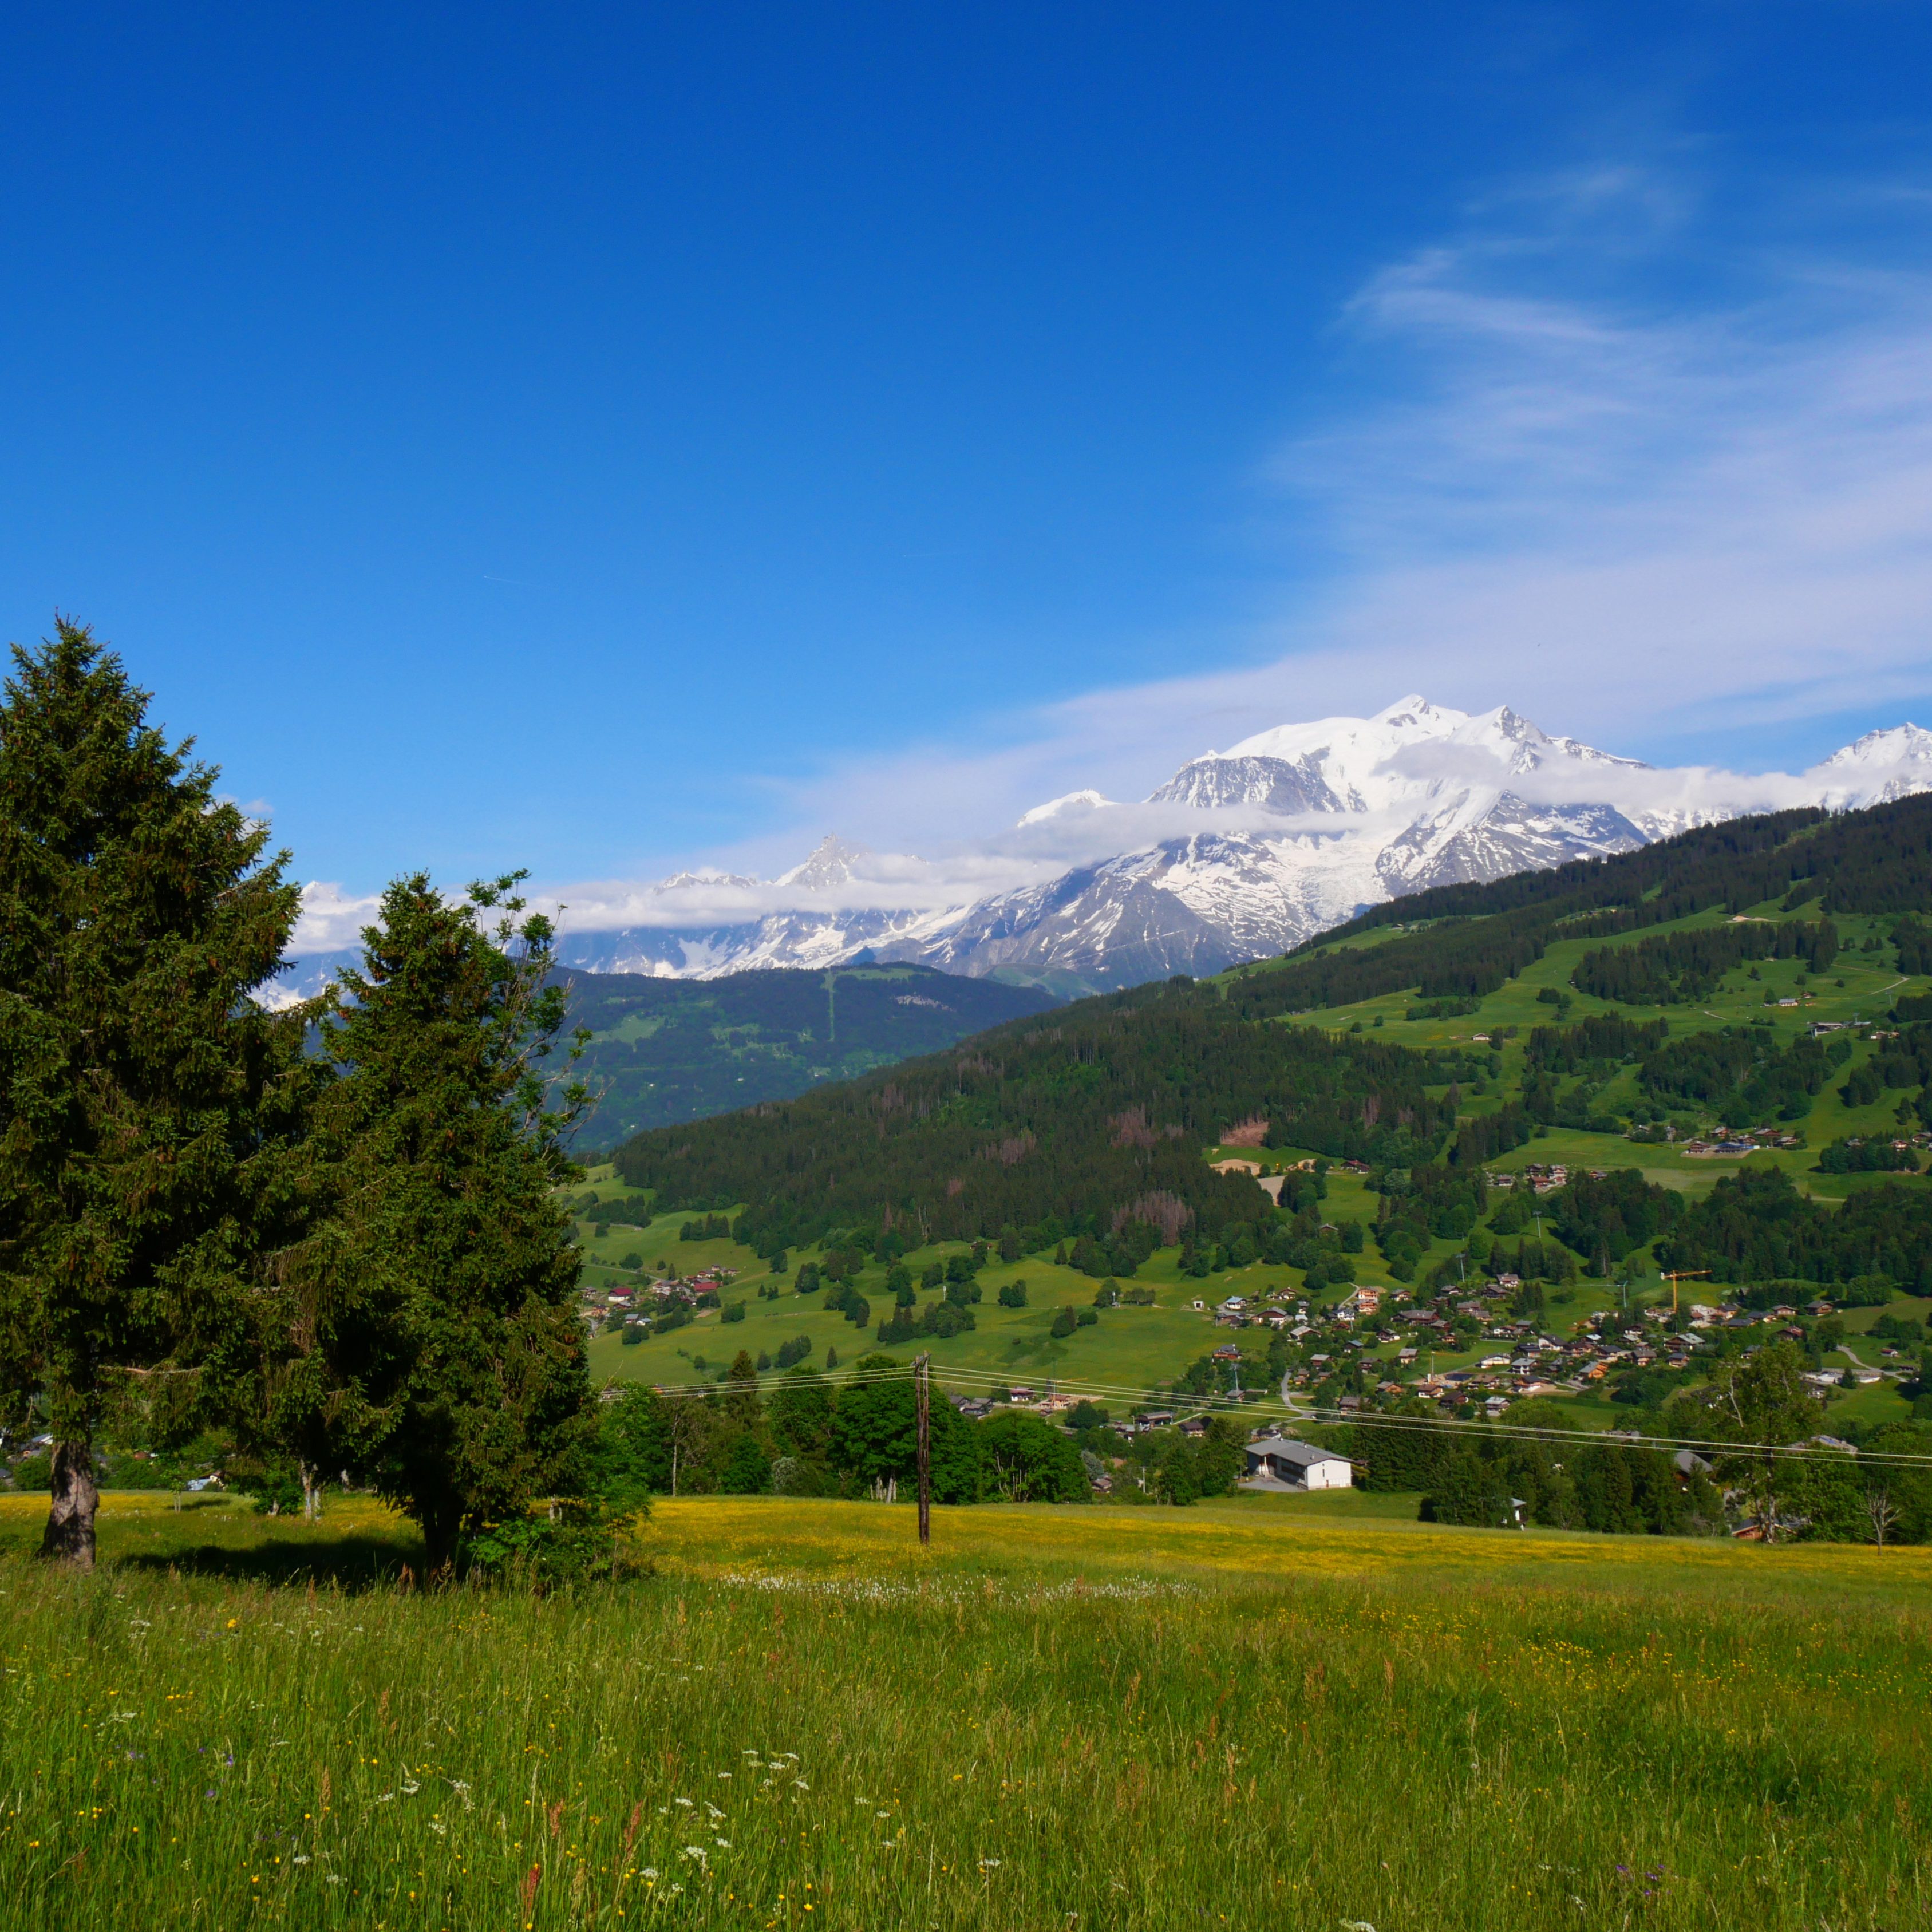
(1279, 1462)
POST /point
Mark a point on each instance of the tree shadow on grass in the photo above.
(350, 1563)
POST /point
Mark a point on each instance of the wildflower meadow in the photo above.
(788, 1716)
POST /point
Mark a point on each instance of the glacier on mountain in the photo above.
(1290, 831)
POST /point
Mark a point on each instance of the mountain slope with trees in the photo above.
(1092, 1121)
(663, 1050)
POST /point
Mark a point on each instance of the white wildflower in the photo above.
(300, 1859)
(650, 1871)
(336, 1878)
(800, 1784)
(988, 1864)
(723, 1844)
(437, 1826)
(684, 1802)
(1356, 1925)
(882, 1814)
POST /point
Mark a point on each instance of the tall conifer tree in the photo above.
(145, 1101)
(440, 1346)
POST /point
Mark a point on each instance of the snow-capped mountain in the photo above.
(1876, 768)
(1371, 809)
(1290, 831)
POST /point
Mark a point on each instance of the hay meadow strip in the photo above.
(1058, 1719)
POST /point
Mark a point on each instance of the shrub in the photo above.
(580, 1542)
(1063, 1324)
(734, 1311)
(748, 1469)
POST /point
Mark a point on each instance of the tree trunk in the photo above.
(439, 1527)
(70, 1530)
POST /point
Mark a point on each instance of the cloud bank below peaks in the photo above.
(1389, 786)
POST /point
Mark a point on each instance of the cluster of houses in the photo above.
(650, 1298)
(1526, 1360)
(1738, 1145)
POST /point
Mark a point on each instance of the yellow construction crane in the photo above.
(1689, 1274)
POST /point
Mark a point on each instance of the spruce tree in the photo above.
(439, 1349)
(146, 1102)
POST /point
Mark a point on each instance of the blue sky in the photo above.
(599, 439)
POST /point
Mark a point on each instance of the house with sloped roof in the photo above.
(1280, 1462)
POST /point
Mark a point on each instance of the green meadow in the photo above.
(1865, 993)
(1293, 1713)
(1128, 1349)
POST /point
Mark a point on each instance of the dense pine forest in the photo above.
(662, 1051)
(1092, 1119)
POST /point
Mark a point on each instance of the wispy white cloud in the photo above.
(1636, 520)
(1639, 517)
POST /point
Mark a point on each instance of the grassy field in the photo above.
(1128, 1349)
(1265, 1713)
(1866, 991)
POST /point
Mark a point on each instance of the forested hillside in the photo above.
(1094, 1117)
(664, 1051)
(1699, 968)
(1463, 941)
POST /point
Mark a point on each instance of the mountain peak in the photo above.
(1416, 710)
(829, 867)
(1069, 804)
(1899, 745)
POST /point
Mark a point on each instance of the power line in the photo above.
(1488, 1430)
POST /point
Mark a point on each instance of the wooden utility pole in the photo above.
(922, 1379)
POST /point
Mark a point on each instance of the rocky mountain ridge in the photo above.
(1302, 825)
